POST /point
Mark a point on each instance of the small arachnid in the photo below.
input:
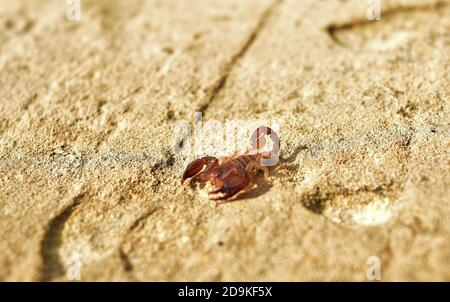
(236, 173)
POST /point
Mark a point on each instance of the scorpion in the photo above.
(235, 174)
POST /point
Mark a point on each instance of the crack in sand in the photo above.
(138, 223)
(218, 86)
(333, 30)
(52, 265)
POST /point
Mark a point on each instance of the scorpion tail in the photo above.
(258, 140)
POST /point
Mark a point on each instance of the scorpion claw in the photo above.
(197, 166)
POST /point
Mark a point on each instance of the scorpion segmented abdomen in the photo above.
(243, 160)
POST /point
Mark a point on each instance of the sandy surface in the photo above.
(88, 174)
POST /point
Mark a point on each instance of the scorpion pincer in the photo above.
(235, 174)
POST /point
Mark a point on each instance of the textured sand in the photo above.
(88, 172)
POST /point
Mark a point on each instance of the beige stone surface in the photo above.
(88, 173)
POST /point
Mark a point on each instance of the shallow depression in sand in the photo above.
(378, 211)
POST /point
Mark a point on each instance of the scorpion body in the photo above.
(236, 173)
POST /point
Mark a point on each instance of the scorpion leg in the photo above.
(265, 169)
(228, 158)
(231, 186)
(197, 166)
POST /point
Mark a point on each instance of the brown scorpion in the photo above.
(236, 173)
